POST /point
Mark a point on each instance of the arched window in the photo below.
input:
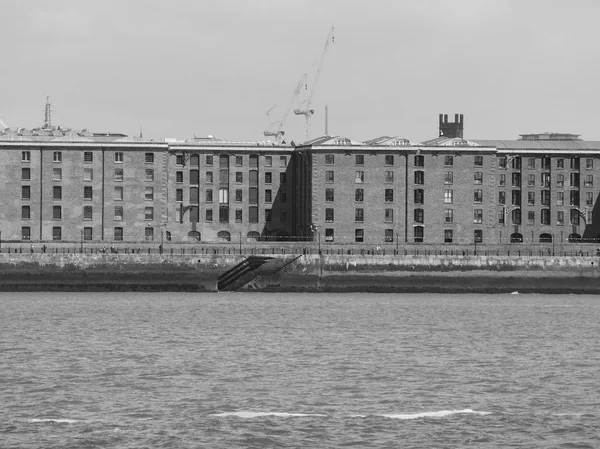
(545, 238)
(194, 235)
(253, 236)
(224, 236)
(574, 238)
(168, 235)
(516, 238)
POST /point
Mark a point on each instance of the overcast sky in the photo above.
(181, 68)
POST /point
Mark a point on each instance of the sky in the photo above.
(184, 68)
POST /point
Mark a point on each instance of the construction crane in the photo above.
(306, 110)
(276, 129)
(4, 125)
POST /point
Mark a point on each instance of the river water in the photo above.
(173, 370)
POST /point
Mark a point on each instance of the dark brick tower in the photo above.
(451, 129)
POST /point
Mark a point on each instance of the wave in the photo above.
(260, 414)
(439, 414)
(57, 420)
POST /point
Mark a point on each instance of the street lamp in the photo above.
(240, 233)
(161, 241)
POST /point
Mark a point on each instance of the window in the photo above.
(478, 160)
(195, 160)
(282, 161)
(56, 233)
(389, 159)
(530, 217)
(25, 174)
(449, 178)
(560, 218)
(531, 163)
(87, 212)
(57, 156)
(25, 156)
(589, 199)
(419, 177)
(238, 215)
(531, 198)
(359, 195)
(501, 197)
(448, 215)
(149, 193)
(531, 180)
(88, 174)
(119, 193)
(560, 198)
(87, 192)
(118, 234)
(57, 174)
(282, 178)
(149, 234)
(269, 196)
(224, 176)
(359, 215)
(560, 180)
(268, 215)
(545, 179)
(589, 217)
(25, 192)
(178, 215)
(209, 177)
(448, 196)
(418, 232)
(418, 215)
(329, 235)
(56, 212)
(448, 161)
(283, 196)
(545, 163)
(477, 215)
(239, 177)
(238, 161)
(389, 195)
(389, 176)
(478, 236)
(119, 157)
(88, 157)
(574, 198)
(268, 177)
(516, 180)
(478, 196)
(149, 174)
(223, 214)
(223, 195)
(148, 213)
(118, 174)
(329, 214)
(389, 235)
(574, 178)
(516, 216)
(253, 195)
(329, 194)
(516, 163)
(448, 235)
(359, 159)
(209, 161)
(118, 216)
(419, 161)
(179, 159)
(208, 215)
(589, 180)
(478, 177)
(545, 197)
(502, 180)
(268, 161)
(208, 197)
(560, 163)
(502, 162)
(253, 214)
(239, 196)
(501, 214)
(589, 163)
(388, 215)
(575, 217)
(359, 177)
(195, 214)
(359, 235)
(253, 177)
(516, 197)
(545, 216)
(329, 176)
(25, 233)
(574, 163)
(25, 212)
(56, 192)
(419, 196)
(179, 195)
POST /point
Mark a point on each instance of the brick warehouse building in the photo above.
(62, 185)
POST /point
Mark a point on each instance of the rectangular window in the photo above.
(179, 195)
(57, 174)
(25, 174)
(269, 196)
(25, 233)
(25, 192)
(419, 177)
(253, 195)
(501, 197)
(224, 176)
(57, 156)
(589, 199)
(389, 176)
(448, 161)
(359, 235)
(118, 174)
(253, 214)
(545, 216)
(516, 163)
(502, 162)
(87, 193)
(178, 176)
(209, 161)
(448, 215)
(209, 177)
(477, 215)
(589, 180)
(478, 236)
(531, 163)
(56, 212)
(119, 157)
(329, 235)
(239, 177)
(269, 177)
(118, 234)
(418, 232)
(239, 196)
(449, 178)
(208, 215)
(545, 197)
(148, 213)
(268, 161)
(25, 212)
(56, 192)
(208, 197)
(329, 195)
(531, 198)
(418, 215)
(149, 174)
(516, 197)
(478, 160)
(560, 163)
(223, 214)
(119, 193)
(388, 215)
(179, 159)
(589, 163)
(329, 159)
(359, 215)
(545, 179)
(25, 156)
(478, 177)
(589, 217)
(389, 159)
(501, 214)
(329, 176)
(282, 161)
(178, 214)
(560, 198)
(118, 215)
(282, 178)
(502, 180)
(418, 196)
(239, 161)
(419, 161)
(574, 163)
(516, 216)
(530, 217)
(88, 157)
(531, 180)
(516, 180)
(149, 193)
(560, 218)
(56, 233)
(574, 178)
(329, 214)
(238, 215)
(478, 196)
(359, 177)
(359, 159)
(575, 217)
(448, 235)
(359, 195)
(88, 174)
(389, 195)
(268, 215)
(448, 196)
(560, 180)
(574, 198)
(87, 212)
(149, 234)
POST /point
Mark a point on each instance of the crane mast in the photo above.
(277, 129)
(306, 110)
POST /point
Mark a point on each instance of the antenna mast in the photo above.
(48, 114)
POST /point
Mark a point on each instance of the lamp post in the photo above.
(161, 241)
(240, 233)
(319, 233)
(81, 247)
